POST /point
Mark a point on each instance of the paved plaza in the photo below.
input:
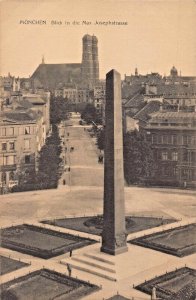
(83, 196)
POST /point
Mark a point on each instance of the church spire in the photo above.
(43, 60)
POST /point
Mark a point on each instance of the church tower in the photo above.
(90, 62)
(95, 59)
(87, 61)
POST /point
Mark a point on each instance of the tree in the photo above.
(49, 159)
(138, 157)
(59, 109)
(89, 113)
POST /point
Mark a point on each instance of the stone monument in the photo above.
(114, 234)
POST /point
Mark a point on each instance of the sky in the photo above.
(159, 34)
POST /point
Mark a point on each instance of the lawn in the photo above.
(39, 241)
(46, 284)
(170, 284)
(8, 265)
(94, 225)
(180, 241)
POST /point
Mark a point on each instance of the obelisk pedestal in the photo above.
(114, 234)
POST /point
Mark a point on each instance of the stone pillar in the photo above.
(114, 234)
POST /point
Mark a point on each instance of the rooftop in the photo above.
(51, 74)
(149, 108)
(17, 117)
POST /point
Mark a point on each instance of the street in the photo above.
(83, 160)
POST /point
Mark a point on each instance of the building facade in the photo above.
(173, 138)
(22, 135)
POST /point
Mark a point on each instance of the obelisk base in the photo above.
(114, 246)
(114, 251)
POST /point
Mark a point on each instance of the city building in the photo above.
(22, 134)
(99, 94)
(173, 138)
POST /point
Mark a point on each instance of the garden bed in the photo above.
(8, 265)
(180, 241)
(41, 242)
(46, 285)
(94, 224)
(170, 284)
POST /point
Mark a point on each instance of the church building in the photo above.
(85, 74)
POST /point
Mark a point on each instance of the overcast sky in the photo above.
(159, 34)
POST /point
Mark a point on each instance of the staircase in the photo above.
(94, 264)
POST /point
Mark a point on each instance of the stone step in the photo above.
(91, 270)
(96, 257)
(91, 262)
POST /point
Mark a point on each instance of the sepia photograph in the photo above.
(97, 149)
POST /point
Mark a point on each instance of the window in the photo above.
(27, 144)
(3, 131)
(184, 138)
(154, 139)
(175, 171)
(185, 156)
(12, 145)
(175, 156)
(169, 139)
(164, 139)
(174, 139)
(193, 157)
(27, 130)
(27, 159)
(189, 139)
(4, 146)
(164, 155)
(159, 139)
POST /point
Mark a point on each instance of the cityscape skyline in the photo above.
(158, 35)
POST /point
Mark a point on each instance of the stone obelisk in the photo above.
(114, 235)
